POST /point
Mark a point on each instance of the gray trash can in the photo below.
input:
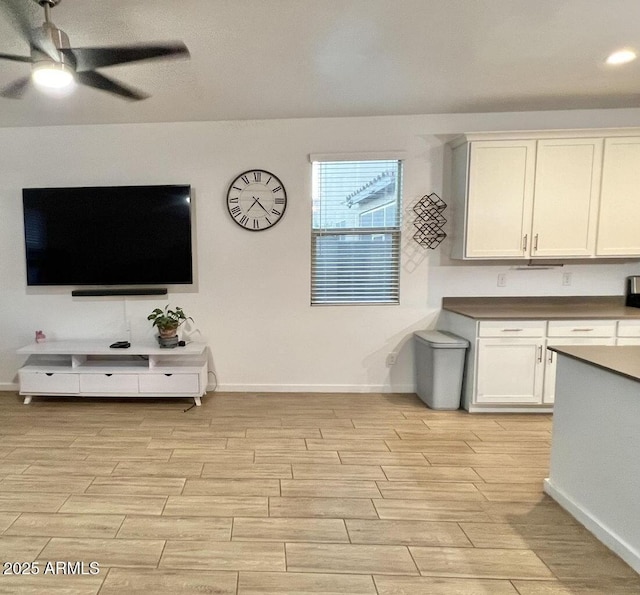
(439, 361)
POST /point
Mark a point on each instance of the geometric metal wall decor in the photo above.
(429, 220)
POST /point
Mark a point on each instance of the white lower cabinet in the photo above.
(508, 366)
(509, 371)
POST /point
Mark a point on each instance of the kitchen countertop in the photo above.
(541, 308)
(622, 360)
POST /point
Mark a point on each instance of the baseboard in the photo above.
(312, 388)
(509, 409)
(629, 554)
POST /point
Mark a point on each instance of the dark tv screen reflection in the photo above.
(118, 235)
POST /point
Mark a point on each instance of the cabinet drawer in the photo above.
(48, 383)
(629, 328)
(169, 383)
(516, 328)
(108, 383)
(582, 328)
(628, 341)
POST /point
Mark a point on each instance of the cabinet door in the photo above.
(549, 393)
(618, 233)
(565, 204)
(499, 199)
(509, 371)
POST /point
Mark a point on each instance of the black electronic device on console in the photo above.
(120, 345)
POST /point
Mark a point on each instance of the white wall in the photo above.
(251, 302)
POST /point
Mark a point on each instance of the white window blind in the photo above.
(355, 251)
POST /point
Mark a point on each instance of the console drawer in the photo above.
(108, 383)
(514, 328)
(582, 328)
(169, 383)
(49, 383)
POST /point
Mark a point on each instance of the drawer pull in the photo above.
(49, 373)
(108, 374)
(540, 354)
(168, 374)
(581, 330)
(512, 330)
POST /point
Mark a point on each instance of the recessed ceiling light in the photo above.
(621, 57)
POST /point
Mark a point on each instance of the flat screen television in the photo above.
(110, 235)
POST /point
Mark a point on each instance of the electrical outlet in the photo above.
(566, 278)
(502, 279)
(392, 358)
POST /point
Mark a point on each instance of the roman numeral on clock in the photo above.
(279, 201)
(257, 175)
(245, 179)
(236, 211)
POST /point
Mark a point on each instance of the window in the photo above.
(355, 252)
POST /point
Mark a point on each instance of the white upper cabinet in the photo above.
(565, 206)
(546, 196)
(500, 195)
(620, 198)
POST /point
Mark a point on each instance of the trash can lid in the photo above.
(441, 339)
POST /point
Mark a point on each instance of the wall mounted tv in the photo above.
(111, 235)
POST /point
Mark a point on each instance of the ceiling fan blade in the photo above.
(92, 58)
(20, 14)
(15, 58)
(17, 89)
(99, 81)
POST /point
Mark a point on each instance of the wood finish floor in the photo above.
(288, 494)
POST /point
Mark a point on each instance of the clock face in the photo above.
(256, 200)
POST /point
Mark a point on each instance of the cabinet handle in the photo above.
(535, 242)
(512, 330)
(524, 242)
(540, 353)
(550, 357)
(581, 330)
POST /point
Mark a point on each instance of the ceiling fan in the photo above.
(56, 65)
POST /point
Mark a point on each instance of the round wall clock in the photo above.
(256, 200)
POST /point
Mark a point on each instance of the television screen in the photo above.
(118, 235)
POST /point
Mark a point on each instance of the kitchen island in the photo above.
(595, 449)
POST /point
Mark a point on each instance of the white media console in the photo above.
(93, 369)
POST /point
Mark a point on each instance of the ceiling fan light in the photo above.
(52, 76)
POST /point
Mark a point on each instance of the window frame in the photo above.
(388, 265)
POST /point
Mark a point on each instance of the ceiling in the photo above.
(256, 59)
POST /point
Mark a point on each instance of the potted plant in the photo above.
(168, 321)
